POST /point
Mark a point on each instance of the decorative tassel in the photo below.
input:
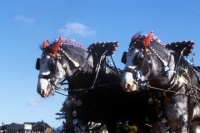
(74, 113)
(68, 103)
(150, 101)
(164, 121)
(79, 102)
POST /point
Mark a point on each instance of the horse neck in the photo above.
(158, 55)
(85, 78)
(110, 75)
(78, 77)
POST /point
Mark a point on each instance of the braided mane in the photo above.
(71, 42)
(176, 46)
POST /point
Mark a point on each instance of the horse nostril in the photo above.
(42, 92)
(127, 86)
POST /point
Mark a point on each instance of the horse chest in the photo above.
(196, 112)
(177, 111)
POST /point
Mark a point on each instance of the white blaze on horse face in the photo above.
(44, 68)
(127, 82)
(43, 86)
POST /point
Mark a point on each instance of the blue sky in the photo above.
(25, 24)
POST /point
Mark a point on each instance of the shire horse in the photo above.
(94, 87)
(172, 82)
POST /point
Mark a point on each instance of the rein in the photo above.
(160, 89)
(164, 63)
(174, 80)
(82, 89)
(97, 69)
(175, 77)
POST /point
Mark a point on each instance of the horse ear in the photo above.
(146, 41)
(56, 46)
(44, 44)
(134, 37)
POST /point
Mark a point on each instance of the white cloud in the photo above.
(35, 102)
(76, 28)
(24, 19)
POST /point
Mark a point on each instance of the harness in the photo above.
(97, 67)
(96, 70)
(166, 69)
(180, 73)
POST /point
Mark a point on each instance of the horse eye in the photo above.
(52, 64)
(138, 58)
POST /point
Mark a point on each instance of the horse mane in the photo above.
(72, 42)
(180, 45)
(160, 49)
(177, 46)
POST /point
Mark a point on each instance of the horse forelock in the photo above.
(53, 48)
(144, 40)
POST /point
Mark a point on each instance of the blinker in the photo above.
(123, 59)
(37, 66)
(52, 63)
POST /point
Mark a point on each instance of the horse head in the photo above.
(50, 68)
(146, 60)
(169, 78)
(67, 59)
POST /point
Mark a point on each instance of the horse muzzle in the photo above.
(44, 88)
(44, 93)
(128, 83)
(129, 87)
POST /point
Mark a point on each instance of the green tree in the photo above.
(66, 115)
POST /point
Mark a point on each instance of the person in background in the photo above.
(3, 128)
